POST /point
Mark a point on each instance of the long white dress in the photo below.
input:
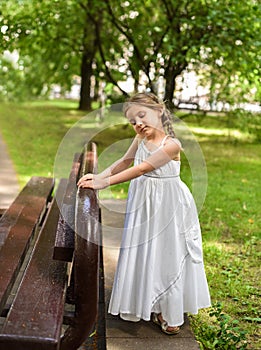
(160, 267)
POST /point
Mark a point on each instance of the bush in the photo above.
(222, 334)
(245, 121)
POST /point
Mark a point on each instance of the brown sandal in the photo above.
(164, 325)
(164, 328)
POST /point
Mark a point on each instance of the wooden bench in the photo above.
(49, 260)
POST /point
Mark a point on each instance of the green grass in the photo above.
(230, 222)
(230, 217)
(33, 132)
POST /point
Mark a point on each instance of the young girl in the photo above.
(160, 272)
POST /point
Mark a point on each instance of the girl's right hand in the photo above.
(88, 176)
(93, 181)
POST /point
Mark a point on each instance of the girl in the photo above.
(160, 272)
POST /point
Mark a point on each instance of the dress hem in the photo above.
(128, 316)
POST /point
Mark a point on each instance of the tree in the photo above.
(154, 38)
(55, 40)
(167, 37)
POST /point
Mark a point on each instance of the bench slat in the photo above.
(64, 241)
(35, 187)
(17, 226)
(35, 318)
(86, 259)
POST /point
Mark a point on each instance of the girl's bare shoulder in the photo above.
(173, 140)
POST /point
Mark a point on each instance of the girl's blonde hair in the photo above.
(150, 100)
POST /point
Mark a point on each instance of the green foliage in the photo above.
(116, 39)
(47, 48)
(245, 121)
(214, 38)
(13, 82)
(226, 19)
(223, 334)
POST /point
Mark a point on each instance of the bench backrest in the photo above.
(36, 315)
(86, 257)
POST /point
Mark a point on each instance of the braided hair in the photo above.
(150, 100)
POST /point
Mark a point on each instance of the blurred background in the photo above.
(67, 61)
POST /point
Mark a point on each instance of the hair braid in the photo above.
(167, 122)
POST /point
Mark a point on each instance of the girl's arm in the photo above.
(157, 159)
(118, 166)
(124, 162)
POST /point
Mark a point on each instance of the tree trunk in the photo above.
(86, 73)
(171, 73)
(170, 78)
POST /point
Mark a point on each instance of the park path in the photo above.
(9, 186)
(119, 335)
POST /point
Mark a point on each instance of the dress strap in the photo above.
(163, 140)
(174, 139)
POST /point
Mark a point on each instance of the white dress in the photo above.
(160, 267)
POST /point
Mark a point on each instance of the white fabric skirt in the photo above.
(160, 267)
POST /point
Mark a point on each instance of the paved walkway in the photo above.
(9, 187)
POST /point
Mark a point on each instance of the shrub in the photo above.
(221, 334)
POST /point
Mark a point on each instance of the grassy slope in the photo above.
(231, 224)
(33, 133)
(230, 217)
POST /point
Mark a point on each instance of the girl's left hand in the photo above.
(96, 183)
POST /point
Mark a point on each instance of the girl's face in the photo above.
(144, 120)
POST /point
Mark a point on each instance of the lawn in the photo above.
(230, 217)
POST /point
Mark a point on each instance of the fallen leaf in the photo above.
(218, 209)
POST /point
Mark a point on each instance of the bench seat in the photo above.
(17, 227)
(35, 318)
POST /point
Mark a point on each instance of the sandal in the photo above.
(164, 325)
(155, 319)
(164, 328)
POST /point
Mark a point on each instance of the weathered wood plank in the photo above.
(86, 259)
(17, 227)
(35, 318)
(64, 241)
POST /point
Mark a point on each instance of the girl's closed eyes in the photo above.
(134, 121)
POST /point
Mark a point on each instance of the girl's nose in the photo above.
(139, 123)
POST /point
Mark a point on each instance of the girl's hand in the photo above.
(93, 181)
(88, 176)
